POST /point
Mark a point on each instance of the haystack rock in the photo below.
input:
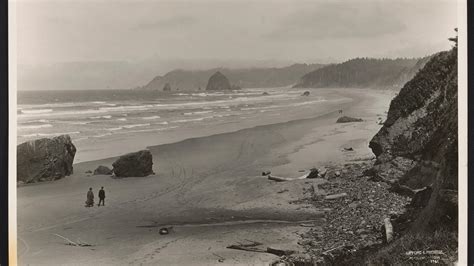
(136, 164)
(218, 82)
(45, 159)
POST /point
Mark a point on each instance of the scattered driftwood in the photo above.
(72, 243)
(348, 149)
(254, 247)
(266, 173)
(336, 196)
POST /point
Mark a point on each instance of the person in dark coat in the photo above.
(90, 198)
(102, 196)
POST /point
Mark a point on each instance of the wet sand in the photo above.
(209, 189)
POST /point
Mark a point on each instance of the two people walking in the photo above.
(90, 197)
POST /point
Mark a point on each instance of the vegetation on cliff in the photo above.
(364, 73)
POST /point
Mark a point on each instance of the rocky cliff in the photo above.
(363, 73)
(218, 82)
(418, 143)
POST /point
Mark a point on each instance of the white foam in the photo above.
(36, 111)
(122, 119)
(198, 113)
(35, 126)
(191, 120)
(114, 128)
(136, 125)
(151, 117)
(49, 134)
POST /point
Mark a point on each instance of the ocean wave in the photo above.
(148, 130)
(101, 117)
(191, 120)
(122, 119)
(49, 134)
(127, 107)
(102, 135)
(114, 128)
(136, 125)
(36, 111)
(36, 121)
(197, 113)
(35, 126)
(151, 117)
(162, 123)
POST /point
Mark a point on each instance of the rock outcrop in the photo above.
(417, 145)
(102, 170)
(45, 159)
(218, 82)
(135, 164)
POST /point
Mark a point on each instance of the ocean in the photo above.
(105, 123)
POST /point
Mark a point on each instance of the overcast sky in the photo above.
(92, 30)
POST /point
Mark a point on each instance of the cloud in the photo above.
(338, 21)
(168, 23)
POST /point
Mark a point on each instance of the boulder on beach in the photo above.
(218, 82)
(348, 119)
(102, 170)
(45, 159)
(306, 93)
(135, 164)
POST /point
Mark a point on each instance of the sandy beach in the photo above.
(208, 188)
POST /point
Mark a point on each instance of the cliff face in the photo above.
(417, 144)
(364, 73)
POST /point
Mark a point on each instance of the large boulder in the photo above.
(102, 170)
(45, 159)
(136, 164)
(218, 82)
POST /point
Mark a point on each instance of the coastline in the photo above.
(189, 188)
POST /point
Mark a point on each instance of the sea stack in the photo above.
(45, 159)
(218, 82)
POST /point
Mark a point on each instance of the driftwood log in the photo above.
(388, 230)
(336, 196)
(253, 247)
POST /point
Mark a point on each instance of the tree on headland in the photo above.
(455, 39)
